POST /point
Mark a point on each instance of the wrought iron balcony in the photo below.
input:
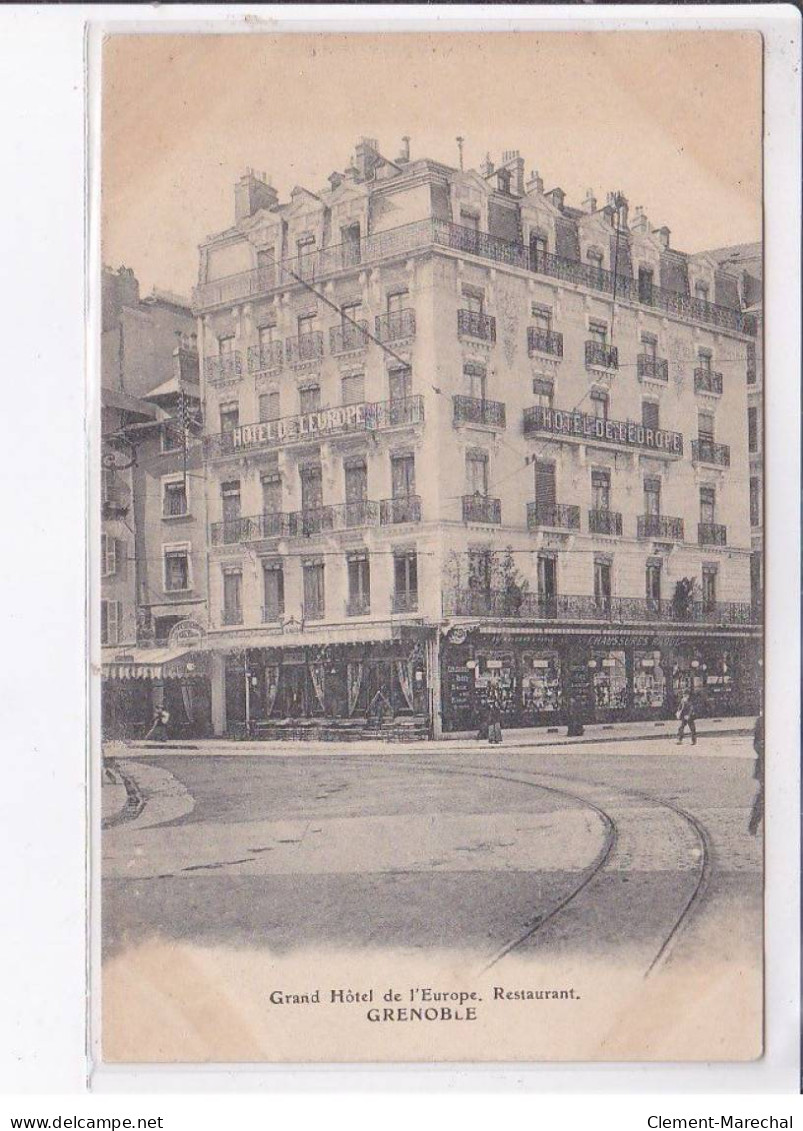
(660, 526)
(560, 516)
(321, 425)
(712, 534)
(344, 339)
(405, 601)
(358, 605)
(544, 341)
(250, 529)
(264, 358)
(421, 235)
(653, 368)
(604, 522)
(482, 508)
(304, 348)
(223, 367)
(569, 424)
(474, 324)
(315, 610)
(601, 356)
(338, 516)
(707, 381)
(512, 604)
(231, 616)
(476, 410)
(402, 508)
(706, 451)
(271, 614)
(396, 326)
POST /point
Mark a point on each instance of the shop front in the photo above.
(138, 681)
(351, 687)
(546, 677)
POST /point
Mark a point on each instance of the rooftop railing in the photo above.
(421, 235)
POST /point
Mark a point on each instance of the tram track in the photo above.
(601, 866)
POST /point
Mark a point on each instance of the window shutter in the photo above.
(545, 493)
(649, 415)
(114, 615)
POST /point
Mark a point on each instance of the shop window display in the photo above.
(649, 684)
(609, 680)
(540, 683)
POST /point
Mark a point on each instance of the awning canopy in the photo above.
(153, 663)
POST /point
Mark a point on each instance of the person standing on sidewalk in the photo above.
(494, 713)
(158, 732)
(686, 714)
(757, 812)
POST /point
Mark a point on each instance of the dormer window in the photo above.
(701, 291)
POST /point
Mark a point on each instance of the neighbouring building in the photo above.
(153, 537)
(744, 262)
(456, 427)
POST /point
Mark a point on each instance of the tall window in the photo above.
(705, 360)
(479, 569)
(705, 426)
(649, 345)
(601, 490)
(350, 238)
(538, 250)
(353, 388)
(305, 256)
(652, 496)
(594, 257)
(475, 379)
(176, 569)
(645, 283)
(545, 490)
(752, 429)
(267, 335)
(405, 580)
(269, 407)
(349, 314)
(470, 219)
(402, 476)
(544, 390)
(313, 588)
(476, 473)
(108, 555)
(273, 589)
(397, 302)
(309, 398)
(755, 501)
(547, 576)
(229, 416)
(701, 291)
(542, 318)
(172, 436)
(111, 616)
(272, 493)
(356, 484)
(709, 586)
(311, 488)
(306, 324)
(653, 582)
(225, 345)
(707, 505)
(752, 370)
(230, 500)
(598, 332)
(599, 404)
(359, 581)
(266, 265)
(650, 415)
(400, 382)
(602, 581)
(232, 596)
(473, 301)
(174, 500)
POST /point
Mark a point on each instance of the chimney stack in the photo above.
(404, 155)
(590, 202)
(486, 166)
(365, 156)
(557, 196)
(663, 235)
(251, 193)
(535, 183)
(515, 163)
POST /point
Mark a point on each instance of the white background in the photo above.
(43, 717)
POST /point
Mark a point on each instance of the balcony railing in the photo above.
(231, 616)
(660, 526)
(264, 358)
(706, 451)
(313, 611)
(359, 605)
(423, 234)
(338, 516)
(316, 426)
(604, 522)
(654, 368)
(405, 601)
(707, 381)
(601, 356)
(393, 327)
(271, 614)
(544, 341)
(712, 534)
(249, 529)
(584, 428)
(474, 324)
(306, 347)
(513, 604)
(482, 508)
(558, 515)
(476, 410)
(402, 508)
(223, 367)
(343, 339)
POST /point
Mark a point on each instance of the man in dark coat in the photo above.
(686, 714)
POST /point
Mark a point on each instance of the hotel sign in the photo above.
(582, 426)
(308, 425)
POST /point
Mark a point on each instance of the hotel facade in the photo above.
(455, 427)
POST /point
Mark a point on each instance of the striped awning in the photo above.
(152, 663)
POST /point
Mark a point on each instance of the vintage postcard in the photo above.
(431, 546)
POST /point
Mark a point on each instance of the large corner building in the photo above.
(455, 426)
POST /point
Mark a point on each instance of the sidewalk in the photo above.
(458, 742)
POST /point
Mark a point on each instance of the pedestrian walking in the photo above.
(686, 714)
(158, 732)
(757, 812)
(494, 713)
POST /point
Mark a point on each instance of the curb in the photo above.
(135, 800)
